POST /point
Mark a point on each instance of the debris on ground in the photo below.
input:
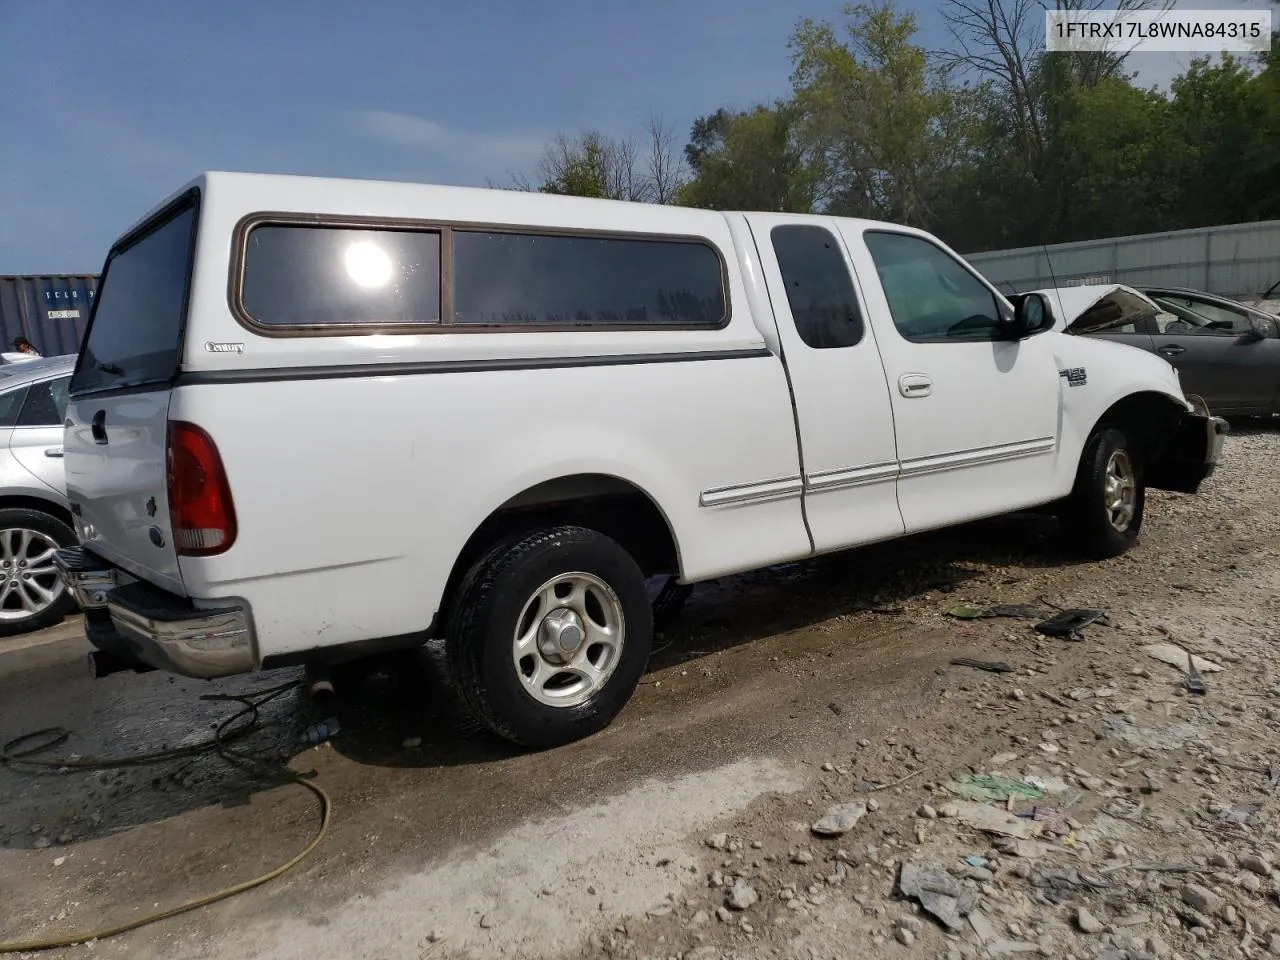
(990, 786)
(941, 895)
(992, 820)
(840, 818)
(991, 666)
(1069, 623)
(1176, 656)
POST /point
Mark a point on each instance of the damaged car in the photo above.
(1224, 352)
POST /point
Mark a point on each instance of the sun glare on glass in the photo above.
(368, 264)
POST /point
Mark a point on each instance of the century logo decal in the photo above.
(212, 346)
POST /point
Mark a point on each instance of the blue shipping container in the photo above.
(49, 311)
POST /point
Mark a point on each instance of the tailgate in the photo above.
(117, 417)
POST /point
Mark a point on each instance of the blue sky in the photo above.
(107, 107)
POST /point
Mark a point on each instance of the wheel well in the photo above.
(35, 503)
(1149, 419)
(608, 505)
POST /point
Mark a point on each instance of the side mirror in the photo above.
(1260, 328)
(1031, 316)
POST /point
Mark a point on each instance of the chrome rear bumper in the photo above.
(159, 629)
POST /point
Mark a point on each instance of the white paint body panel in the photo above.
(355, 495)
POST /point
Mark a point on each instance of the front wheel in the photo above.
(549, 635)
(1103, 515)
(32, 595)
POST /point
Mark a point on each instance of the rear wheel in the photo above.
(549, 635)
(1103, 515)
(32, 595)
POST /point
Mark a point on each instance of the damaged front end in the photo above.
(1191, 454)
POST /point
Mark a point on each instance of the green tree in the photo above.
(748, 161)
(880, 123)
(1219, 112)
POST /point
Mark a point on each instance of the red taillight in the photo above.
(204, 518)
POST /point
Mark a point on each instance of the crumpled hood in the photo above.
(1100, 306)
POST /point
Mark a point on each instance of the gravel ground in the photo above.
(1150, 829)
(1143, 821)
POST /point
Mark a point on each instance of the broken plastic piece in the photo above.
(1195, 682)
(991, 666)
(1069, 623)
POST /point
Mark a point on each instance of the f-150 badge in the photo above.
(1075, 376)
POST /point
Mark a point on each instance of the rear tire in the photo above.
(549, 635)
(27, 575)
(1103, 515)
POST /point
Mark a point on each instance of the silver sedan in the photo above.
(34, 515)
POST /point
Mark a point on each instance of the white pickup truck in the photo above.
(313, 419)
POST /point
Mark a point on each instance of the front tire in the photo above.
(32, 595)
(550, 634)
(1103, 515)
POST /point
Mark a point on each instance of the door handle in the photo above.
(53, 452)
(1171, 350)
(98, 427)
(913, 385)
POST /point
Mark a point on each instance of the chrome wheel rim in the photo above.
(568, 639)
(1120, 491)
(29, 582)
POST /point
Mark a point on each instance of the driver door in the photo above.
(1215, 354)
(975, 415)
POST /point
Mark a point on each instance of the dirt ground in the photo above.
(1144, 817)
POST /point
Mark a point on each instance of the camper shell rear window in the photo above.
(134, 336)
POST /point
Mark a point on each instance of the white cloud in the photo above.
(483, 153)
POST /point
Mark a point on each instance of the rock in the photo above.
(904, 936)
(873, 805)
(1222, 859)
(1273, 944)
(828, 768)
(1201, 899)
(948, 810)
(1251, 882)
(802, 857)
(914, 924)
(1157, 947)
(757, 845)
(927, 812)
(1229, 915)
(981, 874)
(65, 838)
(1017, 694)
(1088, 923)
(718, 841)
(411, 743)
(1256, 864)
(840, 819)
(59, 861)
(699, 918)
(742, 896)
(42, 844)
(724, 913)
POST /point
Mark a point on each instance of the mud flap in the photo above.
(1190, 456)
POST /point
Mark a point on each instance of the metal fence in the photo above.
(50, 311)
(1238, 260)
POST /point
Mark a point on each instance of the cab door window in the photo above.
(932, 297)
